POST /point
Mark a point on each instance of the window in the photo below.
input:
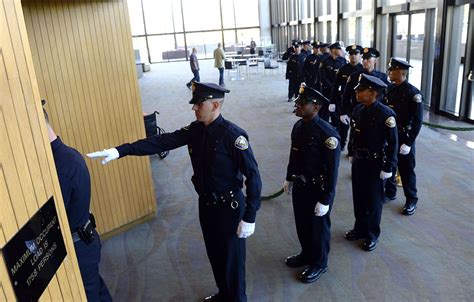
(136, 17)
(196, 18)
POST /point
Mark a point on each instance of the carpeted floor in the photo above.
(425, 257)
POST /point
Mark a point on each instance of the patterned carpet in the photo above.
(425, 257)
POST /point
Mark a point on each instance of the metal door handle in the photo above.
(469, 77)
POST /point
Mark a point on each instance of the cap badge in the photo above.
(366, 50)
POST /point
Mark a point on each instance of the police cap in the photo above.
(306, 42)
(310, 95)
(369, 82)
(369, 52)
(398, 64)
(337, 45)
(354, 49)
(206, 91)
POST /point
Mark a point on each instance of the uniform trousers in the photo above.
(368, 194)
(88, 257)
(293, 87)
(226, 252)
(406, 167)
(314, 232)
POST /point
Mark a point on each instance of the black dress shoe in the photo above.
(409, 208)
(295, 261)
(213, 298)
(353, 235)
(369, 245)
(312, 273)
(388, 198)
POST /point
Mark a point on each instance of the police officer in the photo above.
(294, 72)
(75, 183)
(290, 50)
(323, 54)
(310, 70)
(306, 51)
(374, 141)
(342, 75)
(327, 76)
(407, 102)
(312, 176)
(220, 155)
(349, 101)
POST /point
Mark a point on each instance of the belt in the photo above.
(367, 154)
(75, 235)
(308, 180)
(214, 199)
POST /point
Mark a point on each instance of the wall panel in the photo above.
(27, 173)
(84, 62)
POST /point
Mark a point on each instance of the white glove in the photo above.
(109, 154)
(385, 175)
(288, 186)
(332, 108)
(245, 229)
(350, 158)
(404, 149)
(320, 209)
(345, 119)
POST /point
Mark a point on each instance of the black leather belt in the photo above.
(215, 199)
(367, 154)
(302, 180)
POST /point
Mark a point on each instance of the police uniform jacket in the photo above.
(75, 183)
(407, 102)
(220, 156)
(374, 131)
(340, 83)
(327, 73)
(288, 53)
(294, 67)
(309, 69)
(349, 100)
(315, 153)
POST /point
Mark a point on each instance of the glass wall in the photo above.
(167, 30)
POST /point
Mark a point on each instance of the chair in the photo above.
(267, 64)
(228, 66)
(151, 128)
(252, 62)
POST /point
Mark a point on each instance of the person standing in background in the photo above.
(193, 61)
(219, 57)
(253, 46)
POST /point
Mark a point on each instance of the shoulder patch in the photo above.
(331, 142)
(390, 122)
(418, 98)
(241, 143)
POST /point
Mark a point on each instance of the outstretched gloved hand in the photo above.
(321, 209)
(109, 154)
(245, 229)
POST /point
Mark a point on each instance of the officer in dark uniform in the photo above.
(305, 51)
(327, 76)
(342, 75)
(75, 183)
(294, 73)
(349, 101)
(323, 54)
(221, 156)
(374, 141)
(310, 70)
(407, 102)
(312, 173)
(290, 50)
